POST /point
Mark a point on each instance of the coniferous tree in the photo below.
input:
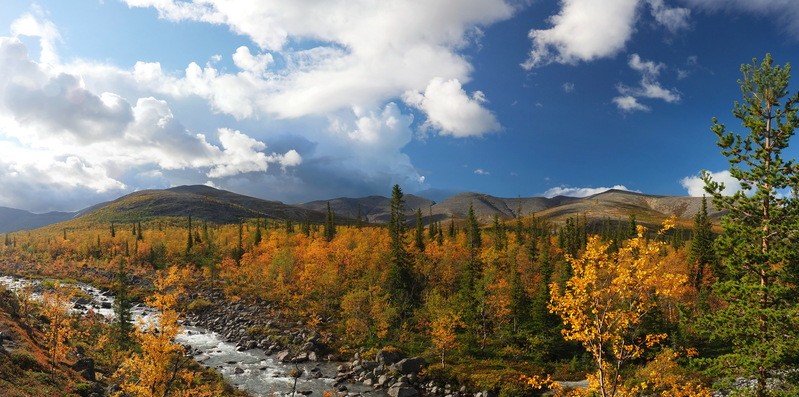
(475, 240)
(330, 224)
(759, 242)
(359, 218)
(258, 236)
(702, 253)
(139, 235)
(401, 285)
(419, 240)
(240, 246)
(451, 231)
(122, 324)
(113, 231)
(189, 240)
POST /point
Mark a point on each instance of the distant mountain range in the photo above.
(220, 206)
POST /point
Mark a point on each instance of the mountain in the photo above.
(374, 209)
(221, 206)
(198, 201)
(12, 220)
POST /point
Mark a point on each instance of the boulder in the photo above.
(409, 366)
(402, 391)
(284, 356)
(388, 357)
(85, 367)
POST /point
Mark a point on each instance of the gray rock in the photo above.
(409, 366)
(284, 356)
(402, 391)
(238, 371)
(388, 357)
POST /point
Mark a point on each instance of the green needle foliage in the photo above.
(760, 239)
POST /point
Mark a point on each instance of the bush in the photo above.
(25, 361)
(199, 305)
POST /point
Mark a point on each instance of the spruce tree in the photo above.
(189, 240)
(475, 240)
(758, 246)
(419, 241)
(122, 324)
(401, 285)
(258, 236)
(330, 224)
(702, 254)
(113, 231)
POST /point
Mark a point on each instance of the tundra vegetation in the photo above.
(510, 307)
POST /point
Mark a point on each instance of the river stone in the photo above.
(402, 391)
(238, 371)
(409, 366)
(284, 356)
(388, 357)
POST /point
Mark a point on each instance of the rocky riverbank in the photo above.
(260, 326)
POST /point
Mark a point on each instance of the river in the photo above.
(250, 370)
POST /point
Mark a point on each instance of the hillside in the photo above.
(373, 209)
(198, 201)
(12, 220)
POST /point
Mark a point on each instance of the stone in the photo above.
(284, 356)
(312, 357)
(388, 357)
(402, 391)
(238, 371)
(409, 366)
(85, 367)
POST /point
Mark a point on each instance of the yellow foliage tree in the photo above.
(55, 307)
(606, 299)
(160, 370)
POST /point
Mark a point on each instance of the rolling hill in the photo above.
(220, 206)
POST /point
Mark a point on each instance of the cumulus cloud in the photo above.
(695, 186)
(581, 191)
(568, 87)
(674, 19)
(56, 134)
(46, 31)
(648, 87)
(364, 53)
(583, 30)
(481, 172)
(451, 110)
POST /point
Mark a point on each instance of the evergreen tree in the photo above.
(401, 283)
(431, 231)
(758, 246)
(330, 224)
(239, 252)
(451, 231)
(419, 241)
(113, 231)
(500, 238)
(139, 235)
(702, 254)
(475, 240)
(258, 236)
(189, 240)
(122, 324)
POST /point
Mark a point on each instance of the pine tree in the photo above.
(401, 283)
(758, 246)
(419, 241)
(475, 240)
(122, 324)
(189, 240)
(330, 224)
(139, 235)
(258, 236)
(451, 230)
(113, 231)
(702, 254)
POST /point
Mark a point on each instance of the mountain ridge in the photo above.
(221, 206)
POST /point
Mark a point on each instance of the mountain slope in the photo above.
(374, 209)
(12, 220)
(198, 201)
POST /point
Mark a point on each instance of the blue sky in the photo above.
(304, 100)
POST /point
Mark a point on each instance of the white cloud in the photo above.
(481, 172)
(628, 103)
(568, 87)
(582, 191)
(696, 186)
(648, 87)
(366, 53)
(784, 12)
(46, 31)
(583, 30)
(57, 135)
(255, 64)
(451, 110)
(674, 19)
